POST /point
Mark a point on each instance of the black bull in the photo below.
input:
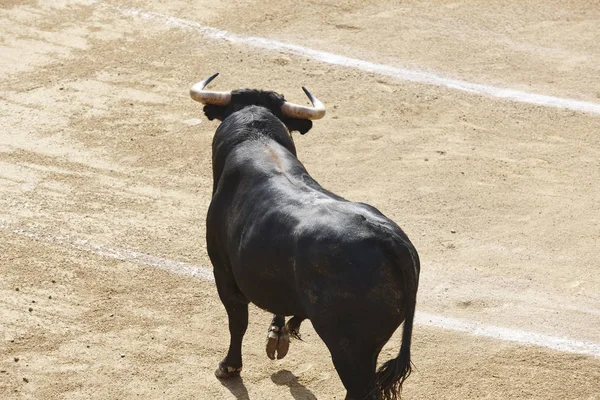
(276, 238)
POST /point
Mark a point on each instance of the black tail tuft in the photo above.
(391, 375)
(293, 327)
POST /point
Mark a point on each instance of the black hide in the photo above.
(276, 238)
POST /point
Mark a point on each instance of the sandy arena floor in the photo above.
(105, 179)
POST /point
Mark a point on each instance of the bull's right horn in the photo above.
(292, 110)
(198, 93)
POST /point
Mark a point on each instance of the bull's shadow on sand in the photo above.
(236, 387)
(282, 378)
(298, 391)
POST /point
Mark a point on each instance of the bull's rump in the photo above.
(309, 257)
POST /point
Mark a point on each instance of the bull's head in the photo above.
(220, 105)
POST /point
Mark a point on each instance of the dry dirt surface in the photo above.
(105, 179)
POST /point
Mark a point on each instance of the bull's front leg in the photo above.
(237, 312)
(278, 339)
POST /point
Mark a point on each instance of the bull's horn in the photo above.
(292, 110)
(209, 97)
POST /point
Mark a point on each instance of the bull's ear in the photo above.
(212, 112)
(300, 125)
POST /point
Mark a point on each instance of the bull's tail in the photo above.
(392, 374)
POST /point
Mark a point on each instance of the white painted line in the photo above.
(509, 335)
(385, 70)
(165, 264)
(422, 318)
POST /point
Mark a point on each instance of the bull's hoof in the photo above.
(278, 342)
(272, 339)
(225, 372)
(283, 345)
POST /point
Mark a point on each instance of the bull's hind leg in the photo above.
(357, 372)
(278, 340)
(236, 305)
(278, 336)
(356, 365)
(354, 357)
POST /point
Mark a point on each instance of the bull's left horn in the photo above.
(198, 93)
(317, 111)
